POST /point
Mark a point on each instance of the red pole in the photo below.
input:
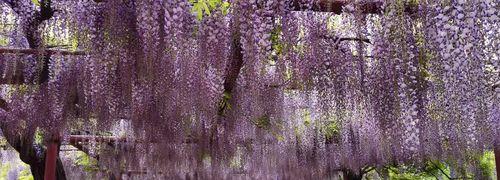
(51, 159)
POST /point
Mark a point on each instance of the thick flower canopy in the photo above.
(267, 89)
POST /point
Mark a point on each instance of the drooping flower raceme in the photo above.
(313, 91)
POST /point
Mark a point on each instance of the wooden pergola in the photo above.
(236, 62)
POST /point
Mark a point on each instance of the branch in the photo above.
(22, 143)
(337, 39)
(439, 168)
(40, 51)
(367, 169)
(30, 25)
(355, 39)
(233, 69)
(434, 175)
(3, 104)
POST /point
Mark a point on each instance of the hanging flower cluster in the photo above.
(254, 88)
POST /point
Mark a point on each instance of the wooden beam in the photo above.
(77, 139)
(74, 139)
(336, 6)
(339, 6)
(40, 51)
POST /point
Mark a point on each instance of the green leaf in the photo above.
(39, 136)
(201, 7)
(225, 7)
(331, 130)
(4, 41)
(226, 4)
(205, 7)
(213, 3)
(226, 95)
(306, 114)
(198, 11)
(36, 2)
(263, 122)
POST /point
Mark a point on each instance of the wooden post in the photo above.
(51, 159)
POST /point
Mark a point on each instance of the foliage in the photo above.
(39, 134)
(88, 163)
(205, 7)
(225, 103)
(432, 170)
(4, 169)
(36, 2)
(331, 130)
(25, 174)
(277, 44)
(4, 41)
(487, 164)
(263, 122)
(306, 115)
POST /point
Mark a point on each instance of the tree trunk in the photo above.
(350, 175)
(22, 142)
(29, 153)
(38, 170)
